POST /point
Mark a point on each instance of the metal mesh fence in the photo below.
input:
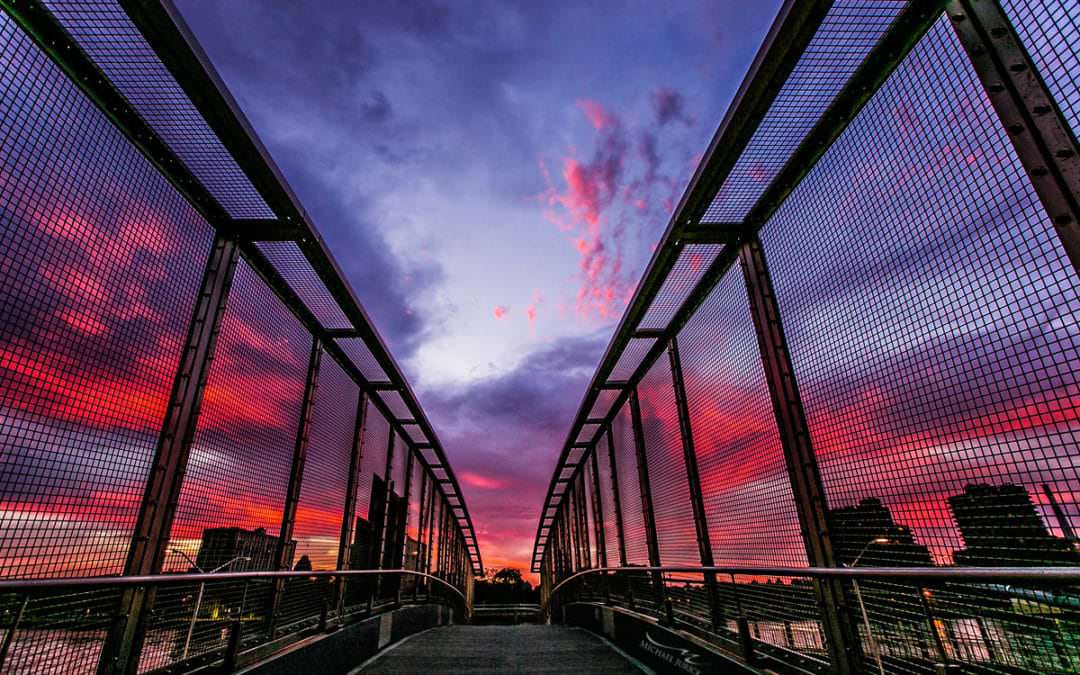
(749, 506)
(633, 520)
(896, 387)
(91, 325)
(139, 367)
(672, 512)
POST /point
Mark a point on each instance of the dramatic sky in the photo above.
(492, 177)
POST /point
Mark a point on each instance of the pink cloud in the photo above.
(480, 481)
(500, 311)
(598, 116)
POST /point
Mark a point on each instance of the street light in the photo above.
(862, 606)
(198, 598)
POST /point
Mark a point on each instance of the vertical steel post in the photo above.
(616, 500)
(382, 526)
(693, 478)
(348, 521)
(150, 539)
(1043, 140)
(406, 494)
(803, 472)
(296, 480)
(598, 511)
(425, 506)
(651, 537)
(583, 520)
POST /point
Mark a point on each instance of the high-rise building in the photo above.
(855, 529)
(221, 544)
(1001, 526)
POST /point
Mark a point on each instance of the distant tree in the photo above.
(303, 564)
(508, 575)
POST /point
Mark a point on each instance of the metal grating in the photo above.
(291, 263)
(87, 354)
(415, 433)
(636, 540)
(360, 355)
(372, 460)
(110, 39)
(848, 33)
(631, 357)
(587, 432)
(693, 261)
(924, 381)
(602, 406)
(668, 483)
(749, 506)
(1050, 31)
(607, 502)
(396, 404)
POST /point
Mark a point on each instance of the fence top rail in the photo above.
(18, 585)
(960, 574)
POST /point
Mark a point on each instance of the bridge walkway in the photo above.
(526, 648)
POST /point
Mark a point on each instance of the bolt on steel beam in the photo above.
(1042, 138)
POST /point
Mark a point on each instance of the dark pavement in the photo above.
(527, 648)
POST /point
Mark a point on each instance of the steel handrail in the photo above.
(25, 584)
(980, 574)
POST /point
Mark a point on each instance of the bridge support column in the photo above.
(693, 477)
(149, 543)
(802, 466)
(1043, 140)
(659, 592)
(296, 478)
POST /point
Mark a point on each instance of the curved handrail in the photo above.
(1002, 574)
(9, 585)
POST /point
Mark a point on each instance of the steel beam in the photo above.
(1043, 140)
(150, 539)
(352, 484)
(296, 481)
(693, 479)
(651, 538)
(843, 641)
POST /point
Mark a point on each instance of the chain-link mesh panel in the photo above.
(93, 318)
(672, 510)
(749, 506)
(607, 502)
(633, 519)
(934, 340)
(372, 458)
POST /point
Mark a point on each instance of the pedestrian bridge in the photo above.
(836, 429)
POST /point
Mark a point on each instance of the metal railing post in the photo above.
(693, 478)
(348, 520)
(146, 554)
(284, 548)
(651, 538)
(1043, 139)
(802, 466)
